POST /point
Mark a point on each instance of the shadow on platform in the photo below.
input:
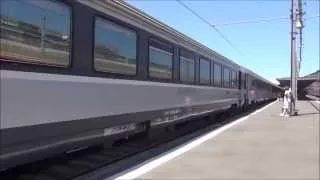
(305, 114)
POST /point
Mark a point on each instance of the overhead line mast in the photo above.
(296, 23)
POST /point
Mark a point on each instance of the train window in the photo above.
(115, 48)
(204, 71)
(37, 32)
(233, 79)
(237, 85)
(245, 81)
(160, 60)
(226, 77)
(187, 67)
(217, 70)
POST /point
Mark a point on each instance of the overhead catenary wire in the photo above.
(215, 26)
(251, 21)
(208, 23)
(259, 20)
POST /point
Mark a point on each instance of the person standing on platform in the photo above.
(286, 103)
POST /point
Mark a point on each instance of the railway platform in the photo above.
(263, 146)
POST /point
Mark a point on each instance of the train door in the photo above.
(252, 88)
(243, 88)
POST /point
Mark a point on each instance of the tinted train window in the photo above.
(35, 31)
(243, 80)
(115, 48)
(204, 71)
(226, 77)
(217, 75)
(160, 60)
(187, 66)
(245, 83)
(234, 79)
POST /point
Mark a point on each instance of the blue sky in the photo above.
(265, 47)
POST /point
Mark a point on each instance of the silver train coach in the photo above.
(77, 73)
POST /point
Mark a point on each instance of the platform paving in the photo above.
(262, 147)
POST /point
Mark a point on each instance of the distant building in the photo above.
(307, 85)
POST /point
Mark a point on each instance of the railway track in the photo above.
(100, 161)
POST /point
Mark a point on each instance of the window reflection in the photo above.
(204, 71)
(186, 69)
(35, 31)
(226, 77)
(160, 63)
(217, 75)
(115, 48)
(234, 79)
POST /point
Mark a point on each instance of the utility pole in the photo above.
(300, 26)
(294, 13)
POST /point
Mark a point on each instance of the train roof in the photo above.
(259, 77)
(131, 15)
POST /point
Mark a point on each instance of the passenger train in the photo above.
(76, 73)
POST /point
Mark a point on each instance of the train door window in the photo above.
(217, 72)
(204, 71)
(237, 85)
(36, 32)
(233, 79)
(187, 67)
(226, 77)
(160, 60)
(245, 81)
(230, 79)
(239, 79)
(114, 48)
